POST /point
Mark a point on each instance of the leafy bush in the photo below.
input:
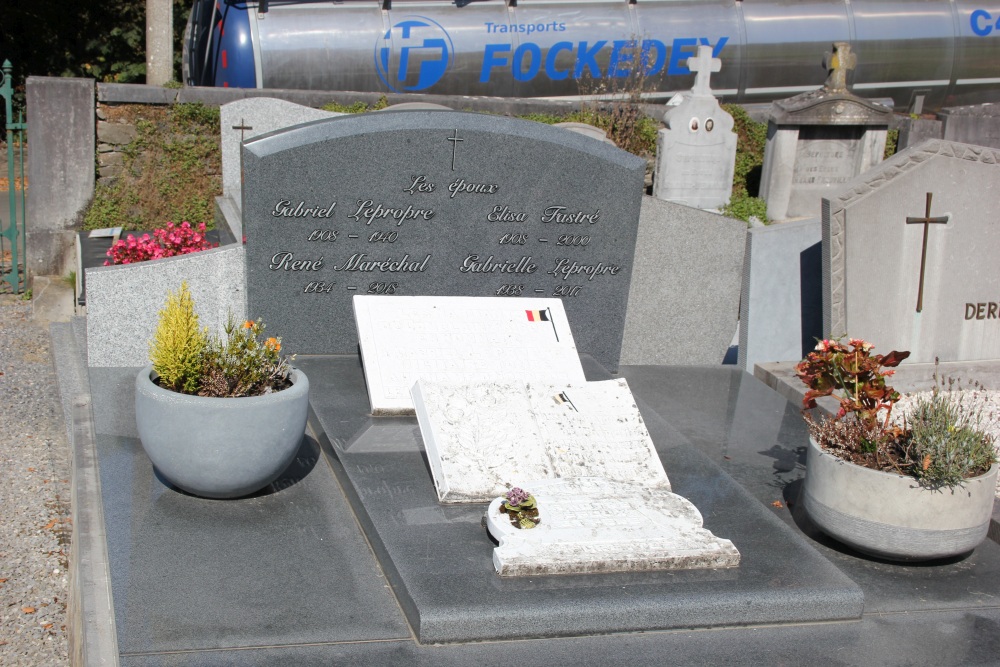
(356, 107)
(178, 345)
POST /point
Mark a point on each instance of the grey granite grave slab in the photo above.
(686, 279)
(781, 313)
(437, 203)
(978, 125)
(937, 615)
(247, 118)
(904, 285)
(452, 594)
(696, 153)
(819, 140)
(123, 301)
(191, 573)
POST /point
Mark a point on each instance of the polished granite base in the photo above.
(439, 557)
(349, 559)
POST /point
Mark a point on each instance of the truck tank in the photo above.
(919, 53)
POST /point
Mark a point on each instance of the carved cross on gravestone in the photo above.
(242, 127)
(454, 147)
(925, 221)
(839, 63)
(703, 65)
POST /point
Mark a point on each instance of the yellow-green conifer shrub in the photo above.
(177, 348)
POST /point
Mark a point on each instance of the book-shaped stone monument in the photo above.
(484, 438)
(502, 401)
(589, 524)
(460, 339)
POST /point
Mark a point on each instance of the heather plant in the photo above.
(169, 241)
(947, 443)
(178, 345)
(244, 362)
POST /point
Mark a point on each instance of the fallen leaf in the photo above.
(28, 610)
(3, 580)
(777, 503)
(31, 469)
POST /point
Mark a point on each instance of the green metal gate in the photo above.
(12, 231)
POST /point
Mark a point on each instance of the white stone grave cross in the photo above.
(703, 65)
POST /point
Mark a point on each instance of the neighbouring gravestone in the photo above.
(251, 117)
(437, 203)
(781, 306)
(460, 339)
(909, 254)
(820, 140)
(978, 124)
(596, 525)
(696, 153)
(486, 437)
(685, 294)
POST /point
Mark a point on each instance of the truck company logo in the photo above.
(424, 50)
(415, 53)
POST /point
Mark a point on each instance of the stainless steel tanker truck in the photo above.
(934, 52)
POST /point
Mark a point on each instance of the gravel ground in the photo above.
(34, 496)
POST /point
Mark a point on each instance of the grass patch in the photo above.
(172, 171)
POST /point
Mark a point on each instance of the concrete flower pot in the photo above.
(220, 447)
(891, 516)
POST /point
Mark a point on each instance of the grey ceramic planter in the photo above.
(892, 516)
(220, 447)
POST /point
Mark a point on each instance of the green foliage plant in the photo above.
(172, 170)
(947, 443)
(187, 360)
(751, 139)
(179, 344)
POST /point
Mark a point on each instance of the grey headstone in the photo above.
(244, 119)
(781, 312)
(978, 125)
(818, 141)
(872, 255)
(390, 200)
(914, 131)
(123, 302)
(696, 154)
(685, 291)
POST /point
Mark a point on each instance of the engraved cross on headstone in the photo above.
(454, 148)
(838, 64)
(925, 221)
(703, 65)
(242, 127)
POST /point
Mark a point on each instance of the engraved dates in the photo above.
(510, 290)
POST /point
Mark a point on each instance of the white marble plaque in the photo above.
(596, 525)
(460, 339)
(482, 438)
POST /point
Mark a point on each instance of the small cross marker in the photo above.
(242, 127)
(703, 65)
(838, 63)
(454, 148)
(925, 221)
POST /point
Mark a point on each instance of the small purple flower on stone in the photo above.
(517, 495)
